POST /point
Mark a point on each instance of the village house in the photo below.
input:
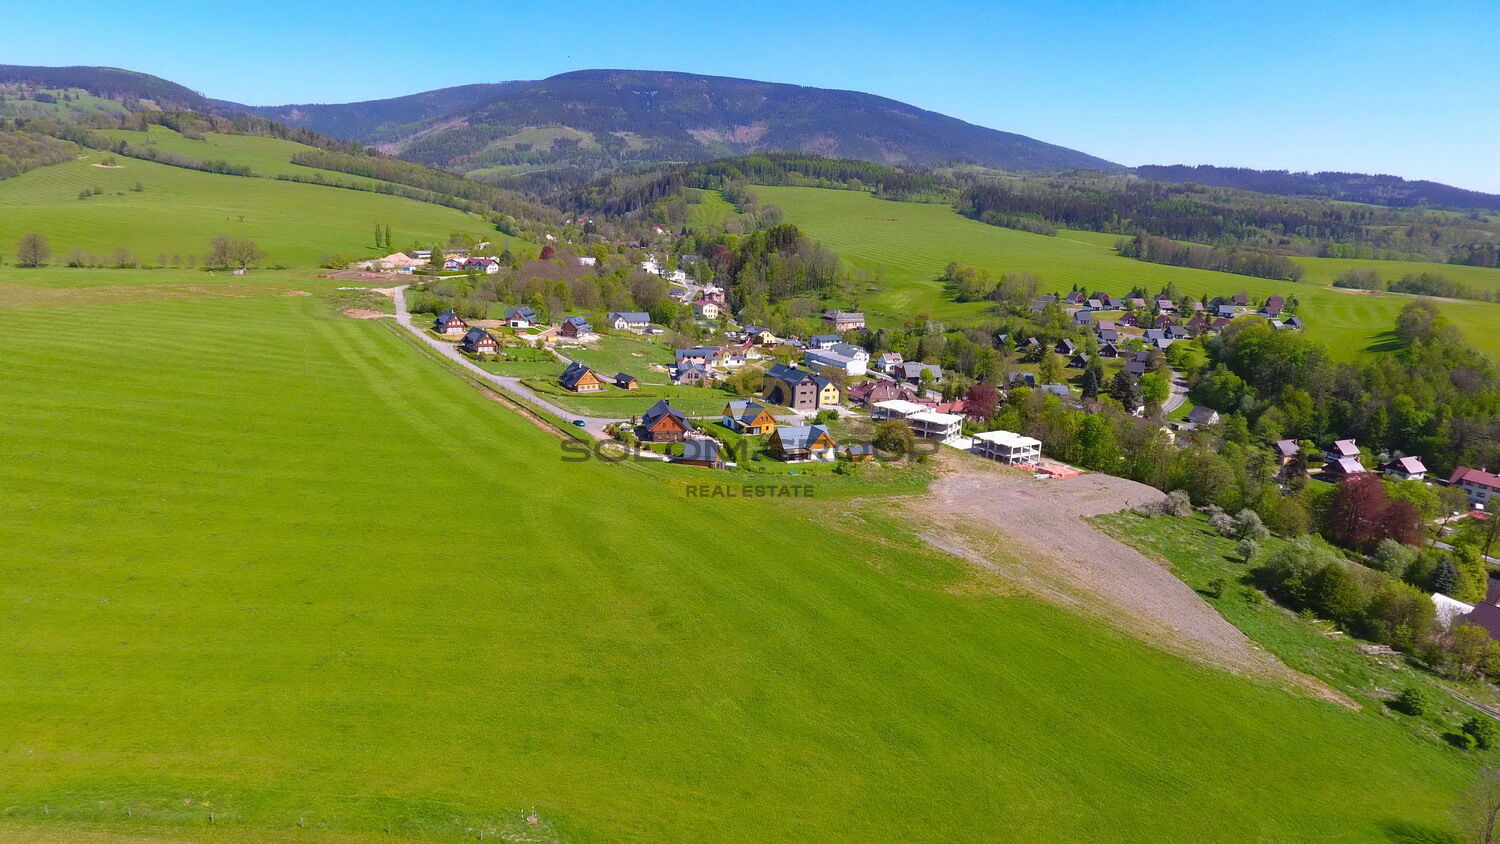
(748, 417)
(1008, 447)
(823, 341)
(859, 452)
(931, 425)
(705, 309)
(1163, 322)
(887, 362)
(884, 411)
(912, 371)
(626, 382)
(1201, 416)
(575, 328)
(799, 443)
(580, 379)
(479, 342)
(1198, 324)
(454, 263)
(1078, 361)
(1341, 449)
(1480, 484)
(870, 392)
(449, 323)
(1294, 323)
(1343, 467)
(816, 360)
(1109, 350)
(1286, 451)
(1128, 319)
(628, 321)
(841, 321)
(701, 451)
(488, 266)
(798, 388)
(1219, 323)
(692, 375)
(759, 335)
(1165, 305)
(520, 318)
(1083, 318)
(700, 355)
(1406, 469)
(1065, 347)
(664, 424)
(1075, 297)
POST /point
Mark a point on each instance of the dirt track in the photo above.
(1034, 533)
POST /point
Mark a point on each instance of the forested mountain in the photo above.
(1353, 187)
(603, 118)
(132, 91)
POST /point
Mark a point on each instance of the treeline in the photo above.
(1435, 396)
(1476, 255)
(622, 194)
(1226, 217)
(22, 151)
(1161, 250)
(770, 265)
(1138, 207)
(1425, 283)
(1349, 187)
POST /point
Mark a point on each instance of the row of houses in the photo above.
(663, 423)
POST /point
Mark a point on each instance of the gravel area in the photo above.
(1041, 541)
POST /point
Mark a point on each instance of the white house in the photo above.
(1008, 447)
(887, 362)
(1449, 610)
(1406, 469)
(588, 260)
(629, 320)
(1480, 484)
(815, 359)
(882, 411)
(931, 425)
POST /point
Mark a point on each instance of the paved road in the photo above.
(1179, 393)
(593, 424)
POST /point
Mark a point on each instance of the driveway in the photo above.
(593, 424)
(1179, 393)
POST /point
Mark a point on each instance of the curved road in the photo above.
(593, 424)
(1179, 393)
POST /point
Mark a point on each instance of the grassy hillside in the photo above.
(913, 242)
(265, 567)
(179, 210)
(269, 157)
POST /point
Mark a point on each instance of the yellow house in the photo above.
(829, 395)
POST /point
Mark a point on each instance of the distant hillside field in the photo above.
(914, 241)
(301, 536)
(269, 157)
(179, 210)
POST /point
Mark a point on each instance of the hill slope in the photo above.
(657, 115)
(177, 211)
(257, 563)
(914, 241)
(1353, 187)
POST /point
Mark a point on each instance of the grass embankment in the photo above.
(264, 566)
(1199, 556)
(914, 241)
(178, 211)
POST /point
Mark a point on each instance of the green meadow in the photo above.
(271, 573)
(911, 243)
(267, 157)
(178, 211)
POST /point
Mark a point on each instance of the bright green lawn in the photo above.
(628, 353)
(263, 561)
(622, 404)
(181, 210)
(713, 209)
(268, 157)
(913, 242)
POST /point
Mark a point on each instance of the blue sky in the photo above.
(1409, 88)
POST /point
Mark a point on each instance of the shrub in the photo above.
(1223, 523)
(1216, 587)
(1178, 504)
(1393, 558)
(1460, 740)
(1483, 731)
(1247, 548)
(1247, 525)
(1412, 701)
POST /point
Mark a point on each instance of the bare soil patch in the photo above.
(1035, 533)
(296, 293)
(365, 313)
(523, 412)
(358, 275)
(108, 166)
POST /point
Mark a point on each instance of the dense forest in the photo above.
(22, 151)
(1392, 191)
